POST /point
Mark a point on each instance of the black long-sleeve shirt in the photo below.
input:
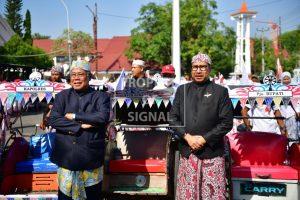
(76, 148)
(202, 109)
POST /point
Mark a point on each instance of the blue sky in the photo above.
(49, 16)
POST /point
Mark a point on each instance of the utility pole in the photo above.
(262, 30)
(69, 37)
(279, 37)
(95, 19)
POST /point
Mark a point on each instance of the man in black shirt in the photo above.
(138, 78)
(201, 114)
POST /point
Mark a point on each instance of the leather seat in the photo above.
(260, 155)
(135, 166)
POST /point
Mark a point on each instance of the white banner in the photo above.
(34, 89)
(270, 93)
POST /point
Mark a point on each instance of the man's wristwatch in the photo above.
(74, 115)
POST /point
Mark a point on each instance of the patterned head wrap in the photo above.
(201, 57)
(140, 63)
(57, 68)
(81, 64)
(284, 74)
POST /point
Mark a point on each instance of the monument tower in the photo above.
(242, 52)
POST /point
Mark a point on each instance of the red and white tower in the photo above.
(242, 52)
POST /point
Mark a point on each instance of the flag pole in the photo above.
(176, 39)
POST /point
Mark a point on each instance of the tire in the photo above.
(229, 191)
(173, 169)
(176, 165)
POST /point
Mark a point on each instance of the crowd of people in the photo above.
(81, 114)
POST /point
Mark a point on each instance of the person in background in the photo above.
(167, 80)
(286, 78)
(264, 125)
(138, 78)
(56, 76)
(255, 79)
(290, 112)
(187, 77)
(201, 115)
(80, 116)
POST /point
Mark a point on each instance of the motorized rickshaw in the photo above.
(141, 158)
(25, 171)
(263, 165)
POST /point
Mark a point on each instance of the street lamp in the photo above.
(69, 39)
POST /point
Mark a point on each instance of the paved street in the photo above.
(28, 121)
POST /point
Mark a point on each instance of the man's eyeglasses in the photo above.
(201, 67)
(80, 75)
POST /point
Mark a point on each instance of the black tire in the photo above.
(176, 166)
(173, 169)
(229, 191)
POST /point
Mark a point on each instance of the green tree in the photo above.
(290, 42)
(40, 36)
(13, 16)
(152, 38)
(27, 28)
(82, 43)
(199, 32)
(19, 52)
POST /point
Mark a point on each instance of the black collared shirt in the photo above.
(202, 109)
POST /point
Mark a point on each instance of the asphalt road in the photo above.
(28, 124)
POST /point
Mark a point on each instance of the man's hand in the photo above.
(69, 116)
(283, 131)
(43, 125)
(196, 142)
(86, 126)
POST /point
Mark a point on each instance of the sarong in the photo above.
(201, 179)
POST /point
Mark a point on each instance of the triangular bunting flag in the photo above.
(234, 102)
(19, 97)
(277, 101)
(41, 96)
(158, 101)
(3, 97)
(260, 101)
(286, 101)
(243, 102)
(166, 102)
(136, 102)
(128, 102)
(121, 101)
(144, 102)
(10, 99)
(26, 97)
(268, 102)
(251, 102)
(113, 103)
(48, 96)
(151, 101)
(33, 97)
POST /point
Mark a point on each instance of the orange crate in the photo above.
(29, 183)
